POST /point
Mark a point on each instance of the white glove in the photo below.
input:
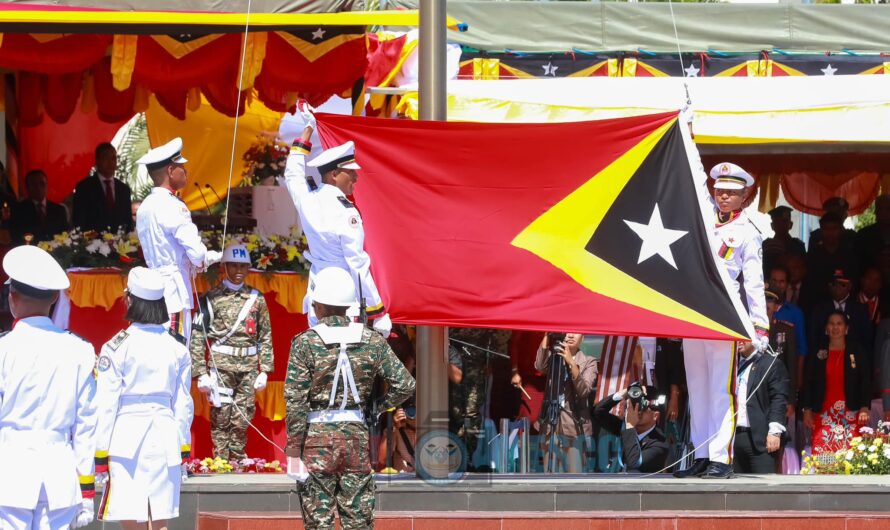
(762, 343)
(260, 382)
(211, 257)
(205, 384)
(85, 515)
(687, 114)
(308, 113)
(101, 478)
(383, 325)
(184, 472)
(296, 469)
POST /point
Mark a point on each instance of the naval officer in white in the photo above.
(170, 240)
(145, 410)
(47, 410)
(331, 222)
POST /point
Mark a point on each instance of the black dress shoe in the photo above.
(718, 470)
(698, 467)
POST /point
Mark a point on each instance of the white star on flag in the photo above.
(549, 69)
(828, 70)
(318, 34)
(691, 71)
(656, 238)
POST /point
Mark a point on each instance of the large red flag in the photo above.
(596, 227)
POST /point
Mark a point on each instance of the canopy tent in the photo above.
(814, 137)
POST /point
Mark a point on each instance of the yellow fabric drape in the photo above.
(207, 143)
(769, 191)
(103, 288)
(269, 402)
(123, 60)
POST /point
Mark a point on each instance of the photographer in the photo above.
(643, 446)
(574, 414)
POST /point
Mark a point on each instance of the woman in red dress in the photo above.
(836, 392)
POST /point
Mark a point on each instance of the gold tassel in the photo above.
(123, 60)
(193, 99)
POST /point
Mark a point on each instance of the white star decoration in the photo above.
(691, 71)
(549, 69)
(656, 238)
(318, 34)
(828, 70)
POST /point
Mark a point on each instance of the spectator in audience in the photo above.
(870, 287)
(837, 389)
(829, 255)
(872, 239)
(778, 282)
(35, 215)
(670, 375)
(102, 202)
(782, 242)
(861, 329)
(840, 207)
(783, 340)
(883, 359)
(134, 207)
(797, 272)
(644, 448)
(404, 417)
(762, 394)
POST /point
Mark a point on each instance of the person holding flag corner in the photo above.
(331, 222)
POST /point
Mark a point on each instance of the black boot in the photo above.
(698, 467)
(718, 470)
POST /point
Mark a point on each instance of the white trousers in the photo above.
(40, 518)
(711, 379)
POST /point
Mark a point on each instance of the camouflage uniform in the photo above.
(238, 372)
(467, 398)
(337, 454)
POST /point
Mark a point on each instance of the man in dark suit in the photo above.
(644, 447)
(102, 202)
(763, 390)
(36, 215)
(861, 329)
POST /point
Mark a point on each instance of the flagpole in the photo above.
(432, 368)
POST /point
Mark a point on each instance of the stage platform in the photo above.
(535, 501)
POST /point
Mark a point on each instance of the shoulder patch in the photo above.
(345, 202)
(103, 363)
(118, 339)
(354, 221)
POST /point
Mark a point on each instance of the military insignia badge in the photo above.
(118, 339)
(822, 355)
(353, 221)
(103, 364)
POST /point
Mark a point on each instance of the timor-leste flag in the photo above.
(598, 227)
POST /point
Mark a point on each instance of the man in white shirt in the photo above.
(170, 240)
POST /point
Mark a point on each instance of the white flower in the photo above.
(93, 246)
(861, 447)
(887, 452)
(104, 248)
(849, 455)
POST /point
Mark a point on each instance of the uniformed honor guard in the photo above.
(332, 224)
(47, 405)
(234, 319)
(170, 240)
(710, 364)
(327, 442)
(145, 410)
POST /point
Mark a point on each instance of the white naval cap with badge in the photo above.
(162, 156)
(339, 157)
(33, 272)
(145, 283)
(729, 176)
(236, 254)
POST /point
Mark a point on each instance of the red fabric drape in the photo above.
(66, 54)
(64, 151)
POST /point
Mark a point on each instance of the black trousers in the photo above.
(747, 459)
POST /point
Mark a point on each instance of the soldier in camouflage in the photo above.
(236, 320)
(331, 370)
(467, 397)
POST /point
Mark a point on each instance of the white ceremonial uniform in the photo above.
(334, 231)
(47, 425)
(172, 246)
(711, 364)
(145, 417)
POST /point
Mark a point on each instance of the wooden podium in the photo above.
(270, 207)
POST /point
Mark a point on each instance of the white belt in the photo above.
(147, 399)
(33, 437)
(249, 351)
(337, 415)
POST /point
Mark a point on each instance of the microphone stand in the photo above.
(203, 198)
(208, 186)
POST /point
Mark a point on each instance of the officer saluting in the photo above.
(47, 414)
(331, 222)
(710, 364)
(235, 318)
(170, 240)
(337, 361)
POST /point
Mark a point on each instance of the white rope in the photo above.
(237, 114)
(679, 52)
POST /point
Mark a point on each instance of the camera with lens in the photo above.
(637, 394)
(555, 340)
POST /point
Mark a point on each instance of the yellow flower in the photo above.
(43, 245)
(107, 236)
(879, 441)
(252, 238)
(292, 253)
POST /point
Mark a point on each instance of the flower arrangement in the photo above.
(865, 454)
(121, 250)
(245, 465)
(265, 158)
